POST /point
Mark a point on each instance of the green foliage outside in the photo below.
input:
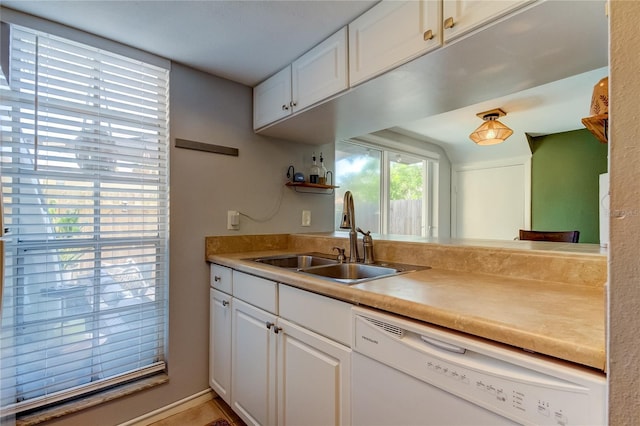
(365, 183)
(65, 223)
(406, 181)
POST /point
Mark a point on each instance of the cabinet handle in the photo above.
(285, 108)
(448, 23)
(277, 329)
(293, 103)
(225, 303)
(428, 35)
(269, 325)
(216, 278)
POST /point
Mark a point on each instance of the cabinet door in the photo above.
(253, 364)
(390, 34)
(313, 378)
(321, 72)
(467, 15)
(272, 98)
(220, 344)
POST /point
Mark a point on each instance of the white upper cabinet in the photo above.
(462, 16)
(316, 75)
(390, 34)
(321, 72)
(272, 98)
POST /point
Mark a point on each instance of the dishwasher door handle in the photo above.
(443, 345)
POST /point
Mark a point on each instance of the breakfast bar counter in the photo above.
(469, 289)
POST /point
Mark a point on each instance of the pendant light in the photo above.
(492, 131)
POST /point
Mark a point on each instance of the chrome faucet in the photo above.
(349, 222)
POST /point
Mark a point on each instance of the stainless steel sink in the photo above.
(327, 267)
(297, 261)
(351, 273)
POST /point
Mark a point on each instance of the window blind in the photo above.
(84, 167)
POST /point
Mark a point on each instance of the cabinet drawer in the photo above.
(324, 315)
(221, 278)
(256, 291)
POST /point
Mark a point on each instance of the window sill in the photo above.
(80, 404)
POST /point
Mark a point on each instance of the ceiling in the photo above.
(247, 41)
(240, 40)
(551, 108)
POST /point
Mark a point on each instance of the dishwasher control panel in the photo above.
(506, 382)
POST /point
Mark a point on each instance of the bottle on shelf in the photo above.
(314, 172)
(322, 177)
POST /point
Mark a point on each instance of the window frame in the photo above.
(388, 148)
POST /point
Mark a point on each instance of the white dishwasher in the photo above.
(409, 373)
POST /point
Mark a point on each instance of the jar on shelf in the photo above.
(314, 171)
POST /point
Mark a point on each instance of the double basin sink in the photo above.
(327, 267)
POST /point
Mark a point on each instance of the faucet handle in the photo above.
(366, 234)
(367, 244)
(341, 257)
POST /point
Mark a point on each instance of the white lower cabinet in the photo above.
(220, 344)
(253, 366)
(313, 378)
(277, 371)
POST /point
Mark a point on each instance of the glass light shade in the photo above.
(491, 132)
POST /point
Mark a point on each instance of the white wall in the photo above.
(624, 263)
(491, 200)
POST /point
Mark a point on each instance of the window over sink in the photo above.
(395, 192)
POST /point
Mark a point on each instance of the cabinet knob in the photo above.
(225, 303)
(448, 23)
(293, 103)
(285, 108)
(277, 329)
(217, 278)
(269, 325)
(428, 35)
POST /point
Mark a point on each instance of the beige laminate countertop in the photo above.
(562, 320)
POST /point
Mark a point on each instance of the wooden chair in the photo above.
(557, 236)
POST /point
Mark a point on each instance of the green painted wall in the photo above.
(565, 169)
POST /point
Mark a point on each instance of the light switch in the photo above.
(306, 217)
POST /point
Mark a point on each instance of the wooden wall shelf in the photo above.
(314, 188)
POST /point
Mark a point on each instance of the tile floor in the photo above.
(202, 415)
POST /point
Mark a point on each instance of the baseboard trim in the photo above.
(171, 409)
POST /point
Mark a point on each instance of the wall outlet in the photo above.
(306, 217)
(233, 219)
